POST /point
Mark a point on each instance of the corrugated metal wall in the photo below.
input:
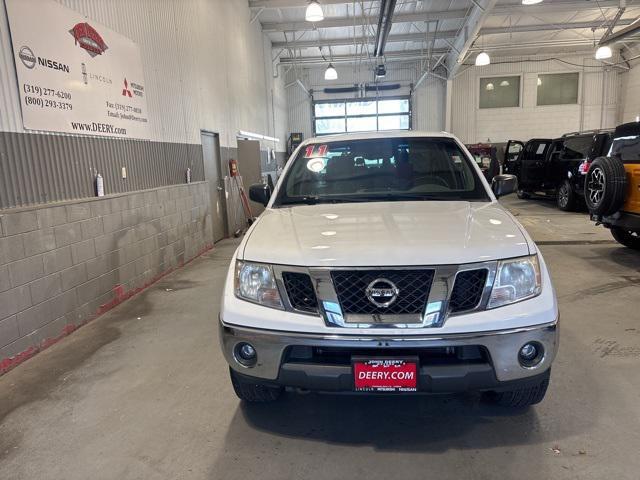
(205, 69)
(39, 168)
(428, 99)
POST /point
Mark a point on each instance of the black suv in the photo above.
(557, 167)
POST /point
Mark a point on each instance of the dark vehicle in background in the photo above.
(557, 167)
(496, 158)
(612, 186)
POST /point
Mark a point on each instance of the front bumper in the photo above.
(500, 368)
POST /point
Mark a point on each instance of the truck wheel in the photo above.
(626, 237)
(566, 199)
(521, 397)
(253, 392)
(522, 195)
(605, 186)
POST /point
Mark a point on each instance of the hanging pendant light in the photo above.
(604, 52)
(314, 12)
(330, 73)
(483, 59)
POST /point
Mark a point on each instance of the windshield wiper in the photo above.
(314, 199)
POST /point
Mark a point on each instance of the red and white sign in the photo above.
(385, 375)
(74, 74)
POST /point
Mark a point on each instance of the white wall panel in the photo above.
(630, 94)
(597, 104)
(204, 63)
(427, 100)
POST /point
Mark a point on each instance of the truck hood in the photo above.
(384, 234)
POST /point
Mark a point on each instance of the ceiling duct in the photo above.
(385, 20)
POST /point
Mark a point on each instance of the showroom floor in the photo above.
(143, 392)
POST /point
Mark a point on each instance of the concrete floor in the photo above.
(143, 393)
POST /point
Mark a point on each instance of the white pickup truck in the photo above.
(383, 263)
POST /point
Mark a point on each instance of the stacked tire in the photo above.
(604, 193)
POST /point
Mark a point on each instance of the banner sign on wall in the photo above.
(76, 75)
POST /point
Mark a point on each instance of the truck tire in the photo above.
(605, 186)
(253, 392)
(566, 199)
(521, 397)
(626, 237)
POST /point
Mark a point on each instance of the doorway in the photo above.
(250, 168)
(213, 175)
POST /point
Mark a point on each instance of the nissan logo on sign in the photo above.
(27, 57)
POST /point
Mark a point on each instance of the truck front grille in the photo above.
(467, 289)
(300, 291)
(413, 290)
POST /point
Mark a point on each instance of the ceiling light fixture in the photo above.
(531, 2)
(483, 59)
(314, 12)
(330, 73)
(604, 52)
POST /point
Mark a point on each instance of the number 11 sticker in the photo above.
(312, 151)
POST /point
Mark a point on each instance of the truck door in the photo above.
(532, 164)
(511, 153)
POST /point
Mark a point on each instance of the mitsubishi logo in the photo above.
(125, 91)
(382, 292)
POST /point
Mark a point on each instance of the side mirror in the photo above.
(260, 193)
(504, 185)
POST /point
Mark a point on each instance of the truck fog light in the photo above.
(246, 354)
(531, 354)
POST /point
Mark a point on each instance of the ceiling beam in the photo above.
(502, 9)
(468, 33)
(404, 55)
(546, 27)
(291, 3)
(569, 46)
(358, 21)
(334, 42)
(555, 6)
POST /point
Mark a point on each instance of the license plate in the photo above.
(385, 375)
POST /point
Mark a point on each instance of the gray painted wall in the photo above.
(62, 265)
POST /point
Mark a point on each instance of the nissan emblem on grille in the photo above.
(382, 292)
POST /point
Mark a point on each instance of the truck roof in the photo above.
(373, 135)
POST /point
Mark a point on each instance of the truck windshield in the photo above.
(383, 169)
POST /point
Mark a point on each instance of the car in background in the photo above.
(496, 158)
(557, 167)
(612, 186)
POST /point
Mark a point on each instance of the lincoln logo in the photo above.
(382, 292)
(88, 38)
(125, 91)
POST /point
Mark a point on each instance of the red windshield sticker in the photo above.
(312, 151)
(308, 153)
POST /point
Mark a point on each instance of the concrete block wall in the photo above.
(62, 265)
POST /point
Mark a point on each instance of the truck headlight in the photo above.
(516, 279)
(255, 282)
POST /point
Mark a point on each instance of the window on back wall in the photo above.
(499, 92)
(558, 88)
(366, 115)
